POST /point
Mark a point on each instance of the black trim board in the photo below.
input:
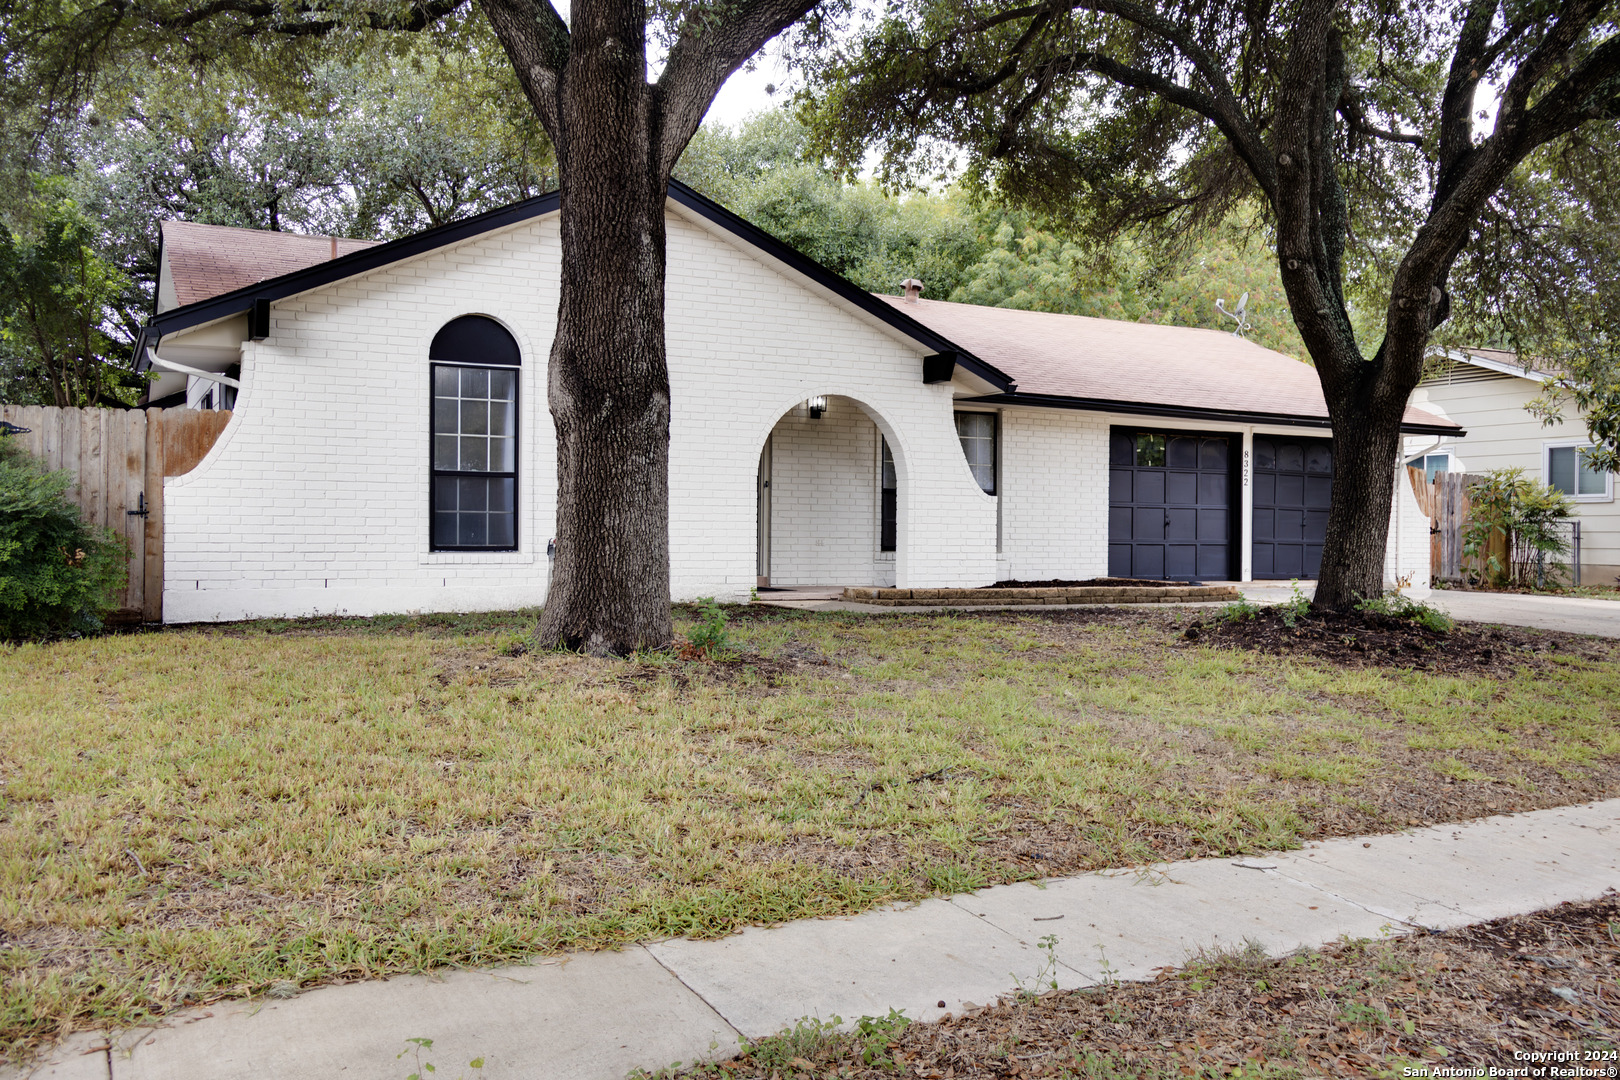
(1188, 412)
(359, 262)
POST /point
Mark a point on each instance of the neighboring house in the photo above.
(390, 447)
(1486, 391)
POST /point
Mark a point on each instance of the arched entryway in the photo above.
(828, 488)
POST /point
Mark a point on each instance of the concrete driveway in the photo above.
(1571, 614)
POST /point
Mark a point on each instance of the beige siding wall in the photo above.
(1502, 433)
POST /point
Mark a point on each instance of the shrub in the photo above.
(57, 573)
(1527, 513)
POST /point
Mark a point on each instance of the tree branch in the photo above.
(536, 41)
(709, 48)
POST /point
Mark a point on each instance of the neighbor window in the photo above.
(977, 430)
(1568, 471)
(1431, 464)
(474, 435)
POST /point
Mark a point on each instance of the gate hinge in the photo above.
(144, 509)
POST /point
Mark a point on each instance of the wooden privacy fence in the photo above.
(1445, 501)
(118, 459)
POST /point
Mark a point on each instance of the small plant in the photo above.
(1238, 610)
(710, 638)
(427, 1068)
(1396, 606)
(1296, 607)
(877, 1034)
(1046, 978)
(58, 574)
(809, 1038)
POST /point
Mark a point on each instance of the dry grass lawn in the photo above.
(211, 812)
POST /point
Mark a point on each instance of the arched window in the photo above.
(475, 364)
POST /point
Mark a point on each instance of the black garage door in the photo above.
(1169, 505)
(1293, 483)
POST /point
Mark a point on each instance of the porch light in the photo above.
(817, 405)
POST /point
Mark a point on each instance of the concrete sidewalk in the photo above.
(598, 1015)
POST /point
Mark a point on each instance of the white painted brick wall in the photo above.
(314, 499)
(1054, 489)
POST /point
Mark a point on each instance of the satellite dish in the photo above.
(1240, 314)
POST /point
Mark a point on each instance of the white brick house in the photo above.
(321, 495)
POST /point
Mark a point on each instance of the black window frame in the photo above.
(888, 501)
(435, 473)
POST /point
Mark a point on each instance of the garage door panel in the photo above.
(1169, 509)
(1119, 559)
(1290, 490)
(1181, 560)
(1148, 561)
(1121, 449)
(1293, 488)
(1181, 487)
(1119, 486)
(1149, 486)
(1289, 560)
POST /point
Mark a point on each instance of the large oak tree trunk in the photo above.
(609, 382)
(1366, 447)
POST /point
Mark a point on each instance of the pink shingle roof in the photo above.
(207, 260)
(1075, 356)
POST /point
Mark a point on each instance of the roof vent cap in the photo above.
(913, 288)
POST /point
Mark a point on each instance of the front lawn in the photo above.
(211, 812)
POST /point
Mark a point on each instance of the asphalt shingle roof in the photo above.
(1076, 356)
(207, 260)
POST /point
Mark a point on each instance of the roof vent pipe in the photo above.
(913, 289)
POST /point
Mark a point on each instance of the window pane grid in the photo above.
(474, 497)
(977, 432)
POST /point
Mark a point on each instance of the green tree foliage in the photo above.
(1355, 126)
(979, 252)
(57, 574)
(1529, 516)
(57, 298)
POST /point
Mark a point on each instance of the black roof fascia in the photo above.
(356, 262)
(838, 285)
(1188, 412)
(359, 262)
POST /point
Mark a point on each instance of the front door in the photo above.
(1169, 505)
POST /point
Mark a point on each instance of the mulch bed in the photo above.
(1368, 639)
(1113, 582)
(1540, 983)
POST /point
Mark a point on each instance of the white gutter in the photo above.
(170, 365)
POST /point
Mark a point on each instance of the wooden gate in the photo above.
(118, 459)
(1445, 500)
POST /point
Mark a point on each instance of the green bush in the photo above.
(1529, 514)
(57, 573)
(1238, 610)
